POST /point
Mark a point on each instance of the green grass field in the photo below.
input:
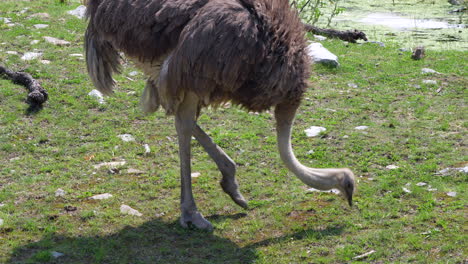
(420, 128)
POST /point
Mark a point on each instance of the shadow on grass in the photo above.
(151, 242)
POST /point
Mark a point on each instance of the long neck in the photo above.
(322, 179)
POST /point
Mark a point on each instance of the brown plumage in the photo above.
(244, 51)
(207, 52)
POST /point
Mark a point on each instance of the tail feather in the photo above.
(102, 61)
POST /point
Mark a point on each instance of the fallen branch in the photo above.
(348, 35)
(37, 95)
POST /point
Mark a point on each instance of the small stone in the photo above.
(320, 54)
(320, 38)
(310, 152)
(76, 55)
(195, 174)
(98, 95)
(392, 167)
(112, 164)
(34, 42)
(421, 184)
(56, 41)
(12, 52)
(430, 82)
(41, 15)
(31, 56)
(429, 71)
(79, 12)
(125, 209)
(41, 26)
(2, 204)
(452, 194)
(126, 137)
(381, 44)
(1, 222)
(147, 148)
(56, 254)
(314, 131)
(59, 193)
(361, 127)
(46, 62)
(134, 171)
(345, 136)
(406, 190)
(352, 85)
(103, 196)
(133, 73)
(5, 20)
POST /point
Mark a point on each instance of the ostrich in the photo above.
(200, 53)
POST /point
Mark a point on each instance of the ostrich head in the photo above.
(346, 184)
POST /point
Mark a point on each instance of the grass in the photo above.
(418, 127)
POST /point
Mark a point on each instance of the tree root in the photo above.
(37, 95)
(348, 35)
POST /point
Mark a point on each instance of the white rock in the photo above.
(133, 73)
(447, 171)
(345, 136)
(421, 184)
(335, 191)
(314, 131)
(76, 55)
(125, 209)
(98, 95)
(59, 193)
(430, 82)
(406, 190)
(392, 167)
(319, 54)
(12, 52)
(134, 171)
(31, 56)
(56, 254)
(1, 222)
(352, 85)
(5, 20)
(112, 164)
(452, 194)
(40, 26)
(2, 204)
(46, 62)
(195, 174)
(79, 12)
(126, 137)
(320, 38)
(34, 42)
(56, 41)
(147, 148)
(101, 196)
(361, 127)
(429, 71)
(40, 15)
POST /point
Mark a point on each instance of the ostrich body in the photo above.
(199, 53)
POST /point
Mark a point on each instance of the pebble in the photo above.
(430, 82)
(392, 167)
(56, 41)
(125, 209)
(98, 95)
(429, 71)
(46, 62)
(111, 164)
(31, 56)
(1, 222)
(133, 73)
(421, 184)
(406, 190)
(56, 254)
(126, 137)
(134, 171)
(361, 127)
(41, 26)
(76, 55)
(101, 196)
(147, 148)
(12, 52)
(79, 12)
(34, 42)
(195, 174)
(59, 193)
(352, 85)
(314, 131)
(452, 194)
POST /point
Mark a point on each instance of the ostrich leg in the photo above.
(225, 164)
(185, 122)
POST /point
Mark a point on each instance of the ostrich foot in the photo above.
(232, 188)
(196, 219)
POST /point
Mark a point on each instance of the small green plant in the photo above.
(312, 10)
